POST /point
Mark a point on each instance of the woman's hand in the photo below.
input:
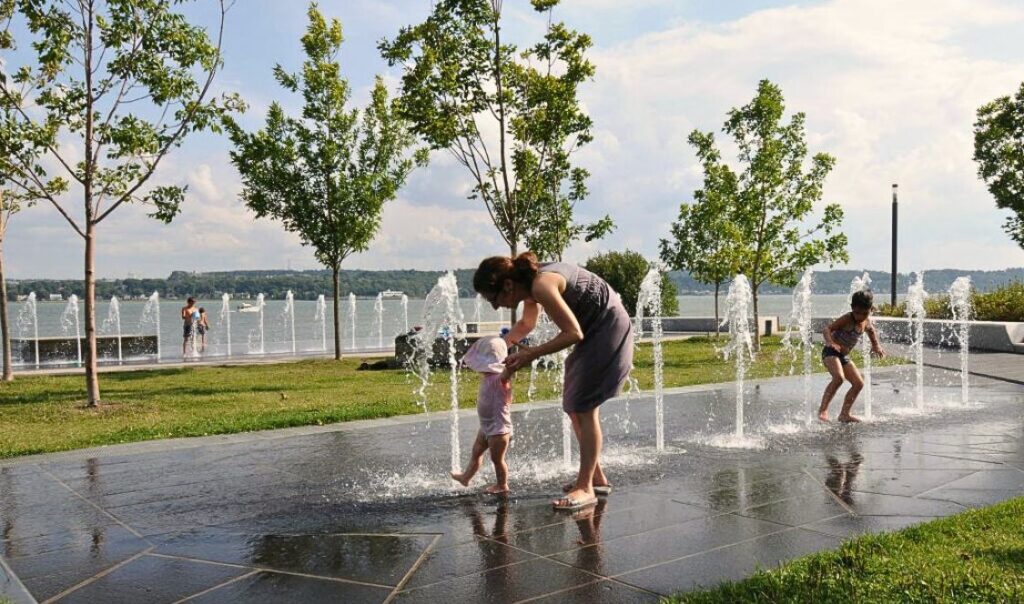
(876, 351)
(517, 360)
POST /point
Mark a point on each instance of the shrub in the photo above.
(1005, 303)
(624, 271)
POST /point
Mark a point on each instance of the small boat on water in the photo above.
(246, 307)
(391, 293)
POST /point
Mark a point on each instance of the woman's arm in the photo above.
(524, 326)
(546, 293)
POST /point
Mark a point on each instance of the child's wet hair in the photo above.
(862, 300)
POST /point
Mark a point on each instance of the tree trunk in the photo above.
(757, 323)
(718, 323)
(513, 249)
(92, 380)
(5, 333)
(335, 270)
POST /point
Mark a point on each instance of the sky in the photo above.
(890, 88)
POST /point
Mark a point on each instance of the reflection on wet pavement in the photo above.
(364, 513)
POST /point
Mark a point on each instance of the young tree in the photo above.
(703, 239)
(327, 174)
(774, 235)
(512, 119)
(114, 86)
(625, 271)
(999, 151)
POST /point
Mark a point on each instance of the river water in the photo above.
(245, 340)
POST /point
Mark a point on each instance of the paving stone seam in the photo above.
(97, 576)
(945, 484)
(620, 576)
(918, 496)
(958, 458)
(532, 558)
(216, 587)
(575, 587)
(412, 569)
(15, 582)
(660, 528)
(100, 509)
(746, 515)
(808, 526)
(267, 569)
(831, 494)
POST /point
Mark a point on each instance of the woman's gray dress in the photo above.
(599, 365)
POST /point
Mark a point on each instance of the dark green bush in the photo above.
(624, 271)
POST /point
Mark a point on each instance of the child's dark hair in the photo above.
(201, 309)
(863, 299)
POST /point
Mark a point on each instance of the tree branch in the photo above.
(181, 129)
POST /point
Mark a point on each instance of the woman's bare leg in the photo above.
(590, 440)
(600, 479)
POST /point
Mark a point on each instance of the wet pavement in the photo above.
(362, 512)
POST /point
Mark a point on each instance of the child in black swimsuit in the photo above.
(841, 337)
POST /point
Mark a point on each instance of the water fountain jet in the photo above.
(961, 306)
(863, 283)
(916, 295)
(649, 299)
(801, 316)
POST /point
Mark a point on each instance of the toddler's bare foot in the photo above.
(823, 416)
(460, 478)
(497, 489)
(847, 418)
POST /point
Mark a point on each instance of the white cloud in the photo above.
(889, 88)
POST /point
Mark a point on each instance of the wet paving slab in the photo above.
(364, 512)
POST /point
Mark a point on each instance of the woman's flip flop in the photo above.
(570, 504)
(600, 490)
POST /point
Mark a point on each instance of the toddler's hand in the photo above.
(516, 361)
(878, 352)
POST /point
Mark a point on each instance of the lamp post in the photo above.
(895, 212)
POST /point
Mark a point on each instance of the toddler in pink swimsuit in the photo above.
(486, 356)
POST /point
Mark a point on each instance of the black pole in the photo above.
(895, 212)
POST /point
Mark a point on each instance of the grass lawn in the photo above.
(976, 556)
(46, 413)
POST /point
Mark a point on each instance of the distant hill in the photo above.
(307, 285)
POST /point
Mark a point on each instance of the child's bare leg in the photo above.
(475, 459)
(835, 369)
(856, 385)
(498, 445)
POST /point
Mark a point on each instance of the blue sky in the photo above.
(889, 88)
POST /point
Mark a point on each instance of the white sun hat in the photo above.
(486, 355)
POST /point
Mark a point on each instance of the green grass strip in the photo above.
(975, 556)
(40, 414)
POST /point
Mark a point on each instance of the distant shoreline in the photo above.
(308, 284)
